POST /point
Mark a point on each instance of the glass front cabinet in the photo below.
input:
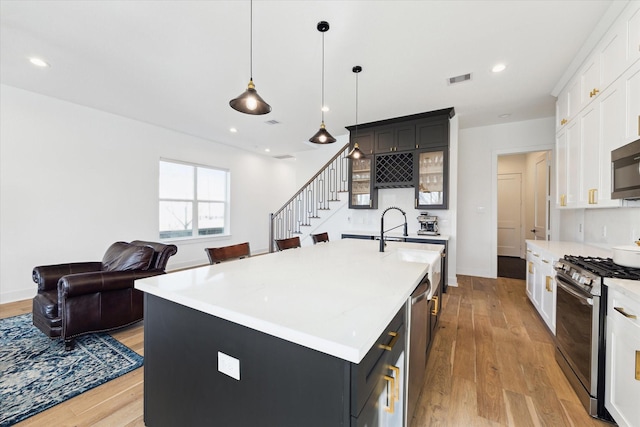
(431, 178)
(362, 193)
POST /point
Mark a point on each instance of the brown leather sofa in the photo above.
(84, 297)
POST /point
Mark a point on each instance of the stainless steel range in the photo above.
(581, 325)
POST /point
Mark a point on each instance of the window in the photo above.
(194, 200)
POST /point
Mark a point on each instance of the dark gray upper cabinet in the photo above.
(432, 133)
(394, 148)
(398, 137)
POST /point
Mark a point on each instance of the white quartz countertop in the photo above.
(630, 288)
(335, 297)
(396, 234)
(560, 249)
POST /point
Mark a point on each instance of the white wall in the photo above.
(74, 180)
(479, 149)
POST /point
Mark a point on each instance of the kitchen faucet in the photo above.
(382, 230)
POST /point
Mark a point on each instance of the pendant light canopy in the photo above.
(322, 136)
(249, 102)
(355, 153)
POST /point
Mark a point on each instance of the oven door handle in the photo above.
(574, 293)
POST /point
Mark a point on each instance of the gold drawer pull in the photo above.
(530, 267)
(638, 365)
(435, 305)
(624, 313)
(548, 284)
(396, 375)
(393, 341)
(390, 394)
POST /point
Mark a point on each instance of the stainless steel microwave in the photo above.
(625, 171)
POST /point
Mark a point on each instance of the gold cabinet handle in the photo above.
(593, 93)
(563, 200)
(396, 375)
(530, 267)
(390, 396)
(624, 313)
(638, 365)
(435, 305)
(393, 341)
(563, 122)
(548, 284)
(546, 261)
(593, 196)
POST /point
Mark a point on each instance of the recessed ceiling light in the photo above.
(267, 150)
(233, 130)
(498, 68)
(325, 108)
(39, 62)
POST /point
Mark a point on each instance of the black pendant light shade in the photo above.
(322, 136)
(249, 102)
(356, 153)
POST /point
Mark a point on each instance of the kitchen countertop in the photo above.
(396, 234)
(630, 288)
(560, 249)
(335, 297)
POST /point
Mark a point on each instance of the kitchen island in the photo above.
(284, 339)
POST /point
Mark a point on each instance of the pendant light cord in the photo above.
(251, 40)
(357, 105)
(322, 106)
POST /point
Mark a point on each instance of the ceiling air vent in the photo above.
(459, 79)
(272, 122)
(284, 156)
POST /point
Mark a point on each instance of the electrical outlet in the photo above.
(229, 365)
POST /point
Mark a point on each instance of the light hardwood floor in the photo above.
(492, 364)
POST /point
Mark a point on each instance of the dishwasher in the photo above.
(418, 330)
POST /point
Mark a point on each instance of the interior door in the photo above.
(542, 198)
(509, 214)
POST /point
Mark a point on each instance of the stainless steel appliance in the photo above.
(581, 325)
(418, 339)
(428, 224)
(625, 171)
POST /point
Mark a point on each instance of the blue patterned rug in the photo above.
(37, 373)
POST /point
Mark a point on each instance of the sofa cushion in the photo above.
(122, 256)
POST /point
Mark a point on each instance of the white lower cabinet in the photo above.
(622, 394)
(541, 284)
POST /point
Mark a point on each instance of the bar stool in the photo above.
(320, 237)
(226, 253)
(292, 242)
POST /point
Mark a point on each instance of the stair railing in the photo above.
(314, 196)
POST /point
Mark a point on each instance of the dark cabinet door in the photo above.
(384, 140)
(362, 193)
(401, 137)
(405, 137)
(432, 133)
(364, 140)
(431, 178)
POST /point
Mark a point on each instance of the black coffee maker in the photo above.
(428, 224)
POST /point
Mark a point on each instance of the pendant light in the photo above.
(356, 153)
(322, 136)
(249, 102)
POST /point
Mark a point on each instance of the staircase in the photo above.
(314, 197)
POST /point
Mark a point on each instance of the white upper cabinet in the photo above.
(590, 81)
(631, 80)
(596, 112)
(631, 19)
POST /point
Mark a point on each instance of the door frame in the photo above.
(553, 217)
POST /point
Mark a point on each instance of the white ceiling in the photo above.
(176, 64)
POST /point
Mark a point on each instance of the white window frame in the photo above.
(194, 201)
